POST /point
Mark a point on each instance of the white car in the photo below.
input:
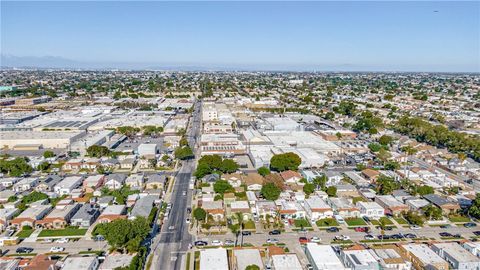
(342, 237)
(415, 227)
(315, 239)
(187, 221)
(217, 243)
(62, 240)
(272, 241)
(57, 249)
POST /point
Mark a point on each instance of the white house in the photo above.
(317, 208)
(371, 210)
(68, 184)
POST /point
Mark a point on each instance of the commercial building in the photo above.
(323, 257)
(457, 256)
(422, 257)
(38, 139)
(214, 259)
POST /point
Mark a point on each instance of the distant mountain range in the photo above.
(56, 62)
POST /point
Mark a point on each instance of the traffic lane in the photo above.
(70, 247)
(355, 236)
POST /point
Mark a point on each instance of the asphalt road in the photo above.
(174, 239)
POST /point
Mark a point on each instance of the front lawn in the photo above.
(355, 222)
(386, 221)
(327, 222)
(62, 232)
(249, 225)
(401, 221)
(301, 223)
(459, 219)
(24, 233)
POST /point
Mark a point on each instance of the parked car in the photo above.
(229, 242)
(24, 250)
(272, 241)
(369, 237)
(315, 239)
(360, 229)
(274, 232)
(246, 233)
(333, 229)
(477, 233)
(445, 234)
(309, 267)
(366, 219)
(415, 227)
(445, 226)
(410, 235)
(187, 221)
(470, 225)
(303, 240)
(62, 240)
(57, 249)
(217, 243)
(342, 237)
(200, 243)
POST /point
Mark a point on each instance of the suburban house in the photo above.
(85, 216)
(317, 208)
(135, 181)
(371, 175)
(291, 177)
(290, 210)
(264, 208)
(113, 212)
(343, 207)
(447, 206)
(422, 257)
(25, 184)
(6, 214)
(391, 205)
(240, 207)
(73, 164)
(93, 182)
(8, 181)
(115, 181)
(59, 217)
(143, 207)
(234, 179)
(253, 181)
(156, 181)
(215, 209)
(31, 215)
(371, 210)
(48, 184)
(67, 185)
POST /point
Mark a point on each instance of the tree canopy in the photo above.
(124, 233)
(263, 171)
(222, 186)
(270, 191)
(214, 163)
(15, 167)
(199, 214)
(286, 161)
(183, 153)
(98, 151)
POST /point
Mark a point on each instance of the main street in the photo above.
(173, 242)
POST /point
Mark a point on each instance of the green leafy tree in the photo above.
(123, 233)
(222, 186)
(385, 140)
(48, 154)
(432, 212)
(15, 167)
(308, 188)
(263, 171)
(199, 214)
(44, 166)
(414, 218)
(374, 147)
(252, 267)
(229, 166)
(183, 152)
(331, 191)
(270, 191)
(202, 170)
(286, 161)
(98, 151)
(320, 181)
(391, 165)
(386, 185)
(474, 209)
(424, 190)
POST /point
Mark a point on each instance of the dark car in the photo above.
(469, 225)
(24, 250)
(457, 235)
(246, 233)
(445, 234)
(333, 229)
(303, 240)
(366, 219)
(446, 226)
(410, 235)
(477, 233)
(200, 243)
(274, 232)
(396, 236)
(384, 237)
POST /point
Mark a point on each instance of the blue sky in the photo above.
(376, 36)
